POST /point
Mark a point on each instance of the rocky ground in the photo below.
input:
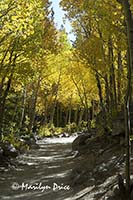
(98, 161)
(8, 152)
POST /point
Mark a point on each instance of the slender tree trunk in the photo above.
(52, 113)
(69, 115)
(86, 102)
(119, 76)
(76, 115)
(33, 106)
(113, 94)
(86, 118)
(60, 115)
(12, 60)
(79, 92)
(107, 93)
(23, 107)
(46, 110)
(70, 110)
(91, 113)
(3, 102)
(1, 85)
(129, 95)
(129, 23)
(66, 117)
(57, 115)
(100, 92)
(80, 116)
(55, 99)
(128, 101)
(127, 141)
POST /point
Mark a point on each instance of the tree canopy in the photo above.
(46, 79)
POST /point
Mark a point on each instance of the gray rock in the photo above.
(9, 150)
(118, 127)
(80, 142)
(1, 150)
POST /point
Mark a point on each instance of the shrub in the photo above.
(83, 126)
(15, 141)
(71, 128)
(50, 130)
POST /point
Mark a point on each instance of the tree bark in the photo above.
(3, 102)
(129, 95)
(55, 88)
(119, 77)
(113, 95)
(129, 22)
(76, 115)
(107, 92)
(33, 106)
(100, 92)
(80, 116)
(23, 107)
(70, 110)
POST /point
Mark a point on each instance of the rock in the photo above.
(118, 127)
(1, 150)
(75, 154)
(80, 142)
(9, 150)
(80, 178)
(75, 134)
(122, 141)
(38, 137)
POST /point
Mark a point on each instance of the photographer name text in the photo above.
(40, 187)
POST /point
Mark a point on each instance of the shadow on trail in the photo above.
(43, 173)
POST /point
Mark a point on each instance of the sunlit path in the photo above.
(50, 166)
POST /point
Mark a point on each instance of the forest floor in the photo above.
(98, 162)
(8, 152)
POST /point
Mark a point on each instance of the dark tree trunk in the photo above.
(76, 115)
(129, 95)
(24, 94)
(3, 102)
(107, 93)
(119, 77)
(57, 115)
(33, 105)
(113, 94)
(55, 92)
(100, 92)
(81, 112)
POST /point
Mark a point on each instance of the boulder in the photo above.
(119, 124)
(118, 128)
(9, 150)
(80, 142)
(1, 150)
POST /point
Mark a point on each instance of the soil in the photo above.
(98, 162)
